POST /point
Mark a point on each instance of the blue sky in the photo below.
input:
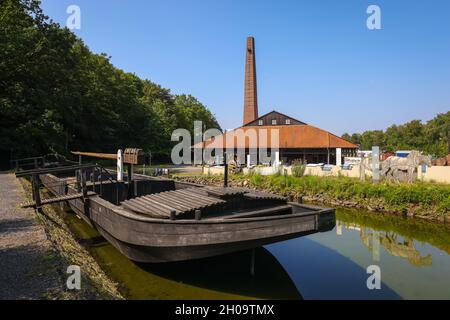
(316, 60)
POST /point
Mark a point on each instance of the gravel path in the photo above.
(27, 260)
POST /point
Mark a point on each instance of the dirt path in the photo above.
(27, 268)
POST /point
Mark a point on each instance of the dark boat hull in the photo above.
(149, 254)
(145, 239)
(181, 252)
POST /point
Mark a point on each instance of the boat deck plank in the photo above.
(185, 201)
(179, 201)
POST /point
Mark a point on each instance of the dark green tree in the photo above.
(432, 137)
(57, 96)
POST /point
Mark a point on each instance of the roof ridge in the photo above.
(265, 114)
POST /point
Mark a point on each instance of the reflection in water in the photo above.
(372, 239)
(413, 256)
(224, 277)
(437, 235)
(231, 274)
(322, 272)
(398, 248)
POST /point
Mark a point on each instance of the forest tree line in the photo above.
(432, 137)
(57, 96)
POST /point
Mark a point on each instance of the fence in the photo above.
(432, 174)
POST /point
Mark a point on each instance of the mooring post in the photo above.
(84, 189)
(252, 263)
(83, 184)
(129, 180)
(130, 173)
(92, 177)
(119, 165)
(100, 179)
(198, 215)
(173, 215)
(33, 196)
(62, 192)
(36, 194)
(78, 177)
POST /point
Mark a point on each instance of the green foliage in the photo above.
(434, 233)
(57, 96)
(432, 137)
(394, 196)
(444, 206)
(298, 169)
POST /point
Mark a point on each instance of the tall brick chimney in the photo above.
(250, 94)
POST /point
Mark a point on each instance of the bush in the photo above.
(298, 169)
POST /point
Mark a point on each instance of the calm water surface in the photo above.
(414, 258)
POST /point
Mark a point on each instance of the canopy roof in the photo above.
(289, 136)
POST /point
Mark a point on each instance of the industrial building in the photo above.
(297, 139)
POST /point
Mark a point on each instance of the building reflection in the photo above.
(393, 243)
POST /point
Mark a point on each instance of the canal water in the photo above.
(413, 258)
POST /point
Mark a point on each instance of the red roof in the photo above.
(290, 137)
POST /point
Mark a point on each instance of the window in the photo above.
(274, 122)
(288, 121)
(260, 122)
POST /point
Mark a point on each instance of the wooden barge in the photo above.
(161, 220)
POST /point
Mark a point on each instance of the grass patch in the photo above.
(425, 198)
(396, 196)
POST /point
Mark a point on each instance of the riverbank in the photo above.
(67, 251)
(420, 200)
